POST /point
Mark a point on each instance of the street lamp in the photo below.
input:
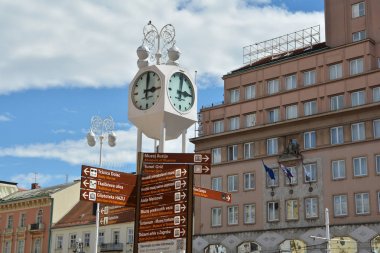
(100, 129)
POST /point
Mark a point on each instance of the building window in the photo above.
(309, 140)
(378, 200)
(357, 98)
(22, 220)
(72, 241)
(273, 211)
(291, 112)
(37, 246)
(216, 183)
(232, 152)
(360, 166)
(336, 134)
(335, 71)
(130, 235)
(248, 150)
(10, 222)
(273, 86)
(232, 183)
(233, 216)
(356, 66)
(376, 94)
(101, 238)
(21, 246)
(59, 242)
(216, 155)
(336, 103)
(7, 246)
(311, 208)
(272, 182)
(376, 128)
(291, 209)
(358, 132)
(218, 126)
(338, 168)
(293, 180)
(310, 108)
(377, 164)
(116, 236)
(234, 123)
(234, 96)
(340, 205)
(358, 10)
(291, 82)
(39, 216)
(250, 120)
(362, 203)
(249, 181)
(250, 92)
(357, 36)
(273, 115)
(272, 146)
(249, 213)
(310, 171)
(86, 241)
(309, 77)
(216, 217)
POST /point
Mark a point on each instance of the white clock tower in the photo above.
(162, 101)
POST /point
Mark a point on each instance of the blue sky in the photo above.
(65, 62)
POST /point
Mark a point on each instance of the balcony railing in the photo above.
(104, 247)
(36, 227)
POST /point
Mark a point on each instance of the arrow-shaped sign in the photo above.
(85, 195)
(183, 231)
(202, 169)
(205, 158)
(211, 194)
(86, 183)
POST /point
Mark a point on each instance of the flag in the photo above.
(269, 171)
(307, 174)
(287, 172)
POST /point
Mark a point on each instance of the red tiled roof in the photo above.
(80, 214)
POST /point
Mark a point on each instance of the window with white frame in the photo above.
(291, 112)
(336, 135)
(10, 222)
(100, 237)
(340, 205)
(310, 108)
(357, 36)
(272, 182)
(376, 128)
(130, 235)
(291, 209)
(310, 172)
(293, 180)
(335, 71)
(311, 208)
(273, 115)
(233, 216)
(86, 241)
(116, 236)
(273, 211)
(22, 223)
(309, 140)
(216, 217)
(250, 120)
(7, 246)
(234, 123)
(273, 86)
(250, 91)
(232, 152)
(362, 203)
(358, 131)
(291, 82)
(234, 96)
(218, 126)
(338, 168)
(358, 10)
(272, 146)
(377, 157)
(249, 181)
(216, 155)
(360, 166)
(336, 102)
(376, 94)
(232, 183)
(249, 213)
(378, 201)
(249, 150)
(216, 183)
(21, 246)
(37, 246)
(358, 98)
(39, 216)
(356, 66)
(378, 62)
(309, 77)
(72, 241)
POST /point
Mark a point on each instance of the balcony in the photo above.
(35, 227)
(105, 247)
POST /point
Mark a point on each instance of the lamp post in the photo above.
(100, 128)
(327, 226)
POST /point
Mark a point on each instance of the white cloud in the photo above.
(5, 117)
(87, 43)
(25, 180)
(63, 131)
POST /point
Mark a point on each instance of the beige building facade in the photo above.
(314, 111)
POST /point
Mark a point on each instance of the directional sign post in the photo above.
(211, 194)
(115, 214)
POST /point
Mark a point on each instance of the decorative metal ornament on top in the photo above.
(100, 126)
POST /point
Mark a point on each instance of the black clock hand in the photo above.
(185, 94)
(153, 89)
(180, 87)
(147, 85)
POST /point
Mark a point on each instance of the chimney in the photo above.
(35, 186)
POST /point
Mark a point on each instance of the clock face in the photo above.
(146, 90)
(181, 92)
